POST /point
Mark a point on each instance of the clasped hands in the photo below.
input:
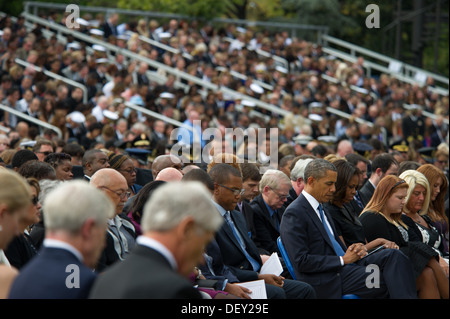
(354, 253)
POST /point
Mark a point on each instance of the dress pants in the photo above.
(396, 277)
(292, 289)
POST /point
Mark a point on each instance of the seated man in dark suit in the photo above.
(382, 165)
(92, 161)
(121, 234)
(75, 235)
(239, 253)
(268, 209)
(321, 259)
(297, 180)
(175, 231)
(250, 182)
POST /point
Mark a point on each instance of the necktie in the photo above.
(239, 238)
(337, 248)
(358, 200)
(275, 220)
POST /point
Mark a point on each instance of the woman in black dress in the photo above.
(382, 218)
(346, 221)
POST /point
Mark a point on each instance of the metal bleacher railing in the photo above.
(55, 76)
(129, 54)
(402, 71)
(30, 119)
(395, 68)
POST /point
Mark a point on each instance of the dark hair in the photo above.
(250, 171)
(55, 159)
(73, 149)
(201, 176)
(37, 169)
(319, 150)
(21, 157)
(318, 168)
(220, 173)
(345, 172)
(407, 165)
(383, 161)
(116, 160)
(355, 158)
(142, 198)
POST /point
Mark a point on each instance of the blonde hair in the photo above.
(14, 190)
(414, 178)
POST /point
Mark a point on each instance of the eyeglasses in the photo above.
(398, 183)
(129, 171)
(236, 192)
(281, 197)
(121, 195)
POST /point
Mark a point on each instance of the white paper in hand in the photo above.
(272, 266)
(257, 288)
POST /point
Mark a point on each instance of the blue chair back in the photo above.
(285, 257)
(288, 264)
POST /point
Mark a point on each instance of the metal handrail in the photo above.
(31, 119)
(156, 64)
(156, 115)
(55, 76)
(406, 71)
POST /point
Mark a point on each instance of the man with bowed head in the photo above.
(321, 259)
(175, 231)
(75, 236)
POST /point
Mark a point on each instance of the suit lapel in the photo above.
(311, 212)
(266, 212)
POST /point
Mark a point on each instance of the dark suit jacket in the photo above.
(366, 192)
(145, 274)
(248, 213)
(310, 249)
(44, 277)
(266, 229)
(232, 253)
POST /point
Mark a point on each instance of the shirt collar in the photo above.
(312, 201)
(271, 211)
(159, 247)
(55, 243)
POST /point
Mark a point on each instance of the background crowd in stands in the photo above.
(136, 144)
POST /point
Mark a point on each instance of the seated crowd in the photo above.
(113, 194)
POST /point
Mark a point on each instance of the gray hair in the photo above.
(273, 178)
(318, 168)
(299, 169)
(172, 203)
(70, 205)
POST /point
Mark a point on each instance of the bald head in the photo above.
(169, 174)
(164, 161)
(113, 184)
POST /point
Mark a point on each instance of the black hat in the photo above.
(427, 153)
(401, 146)
(141, 141)
(362, 148)
(139, 154)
